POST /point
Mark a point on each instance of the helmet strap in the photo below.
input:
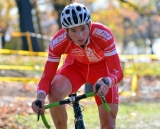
(87, 38)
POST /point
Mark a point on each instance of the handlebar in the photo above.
(70, 99)
(38, 104)
(102, 98)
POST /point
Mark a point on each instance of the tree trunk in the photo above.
(26, 23)
(59, 6)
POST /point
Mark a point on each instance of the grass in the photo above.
(139, 116)
(134, 115)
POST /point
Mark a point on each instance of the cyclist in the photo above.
(91, 57)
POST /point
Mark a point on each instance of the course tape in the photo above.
(20, 52)
(19, 79)
(45, 54)
(29, 53)
(152, 56)
(7, 67)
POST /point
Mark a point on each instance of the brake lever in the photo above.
(97, 88)
(38, 104)
(102, 96)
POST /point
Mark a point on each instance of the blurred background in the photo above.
(26, 29)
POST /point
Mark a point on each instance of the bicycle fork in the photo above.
(79, 123)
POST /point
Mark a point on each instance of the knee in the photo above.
(108, 122)
(108, 126)
(55, 94)
(60, 88)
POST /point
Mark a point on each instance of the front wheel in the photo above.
(79, 124)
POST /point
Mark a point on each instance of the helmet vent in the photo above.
(67, 11)
(80, 15)
(78, 8)
(88, 18)
(84, 15)
(69, 20)
(66, 22)
(75, 19)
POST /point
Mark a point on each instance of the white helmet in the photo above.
(75, 14)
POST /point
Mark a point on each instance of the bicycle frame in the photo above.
(74, 99)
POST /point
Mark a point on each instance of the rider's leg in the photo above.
(67, 80)
(60, 88)
(108, 119)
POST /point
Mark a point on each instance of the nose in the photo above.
(80, 34)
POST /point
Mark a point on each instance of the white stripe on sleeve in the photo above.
(110, 53)
(53, 60)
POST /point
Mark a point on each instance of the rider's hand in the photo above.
(40, 96)
(104, 86)
(36, 109)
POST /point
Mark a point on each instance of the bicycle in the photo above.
(74, 101)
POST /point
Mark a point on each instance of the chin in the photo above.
(80, 43)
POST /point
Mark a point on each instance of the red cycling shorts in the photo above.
(79, 73)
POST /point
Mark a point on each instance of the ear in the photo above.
(66, 29)
(90, 24)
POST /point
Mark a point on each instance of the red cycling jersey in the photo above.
(100, 46)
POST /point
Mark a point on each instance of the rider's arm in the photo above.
(112, 61)
(48, 74)
(106, 42)
(114, 69)
(56, 49)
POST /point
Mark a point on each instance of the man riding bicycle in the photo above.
(91, 56)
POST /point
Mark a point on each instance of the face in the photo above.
(79, 34)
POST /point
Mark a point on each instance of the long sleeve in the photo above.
(56, 49)
(48, 74)
(114, 69)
